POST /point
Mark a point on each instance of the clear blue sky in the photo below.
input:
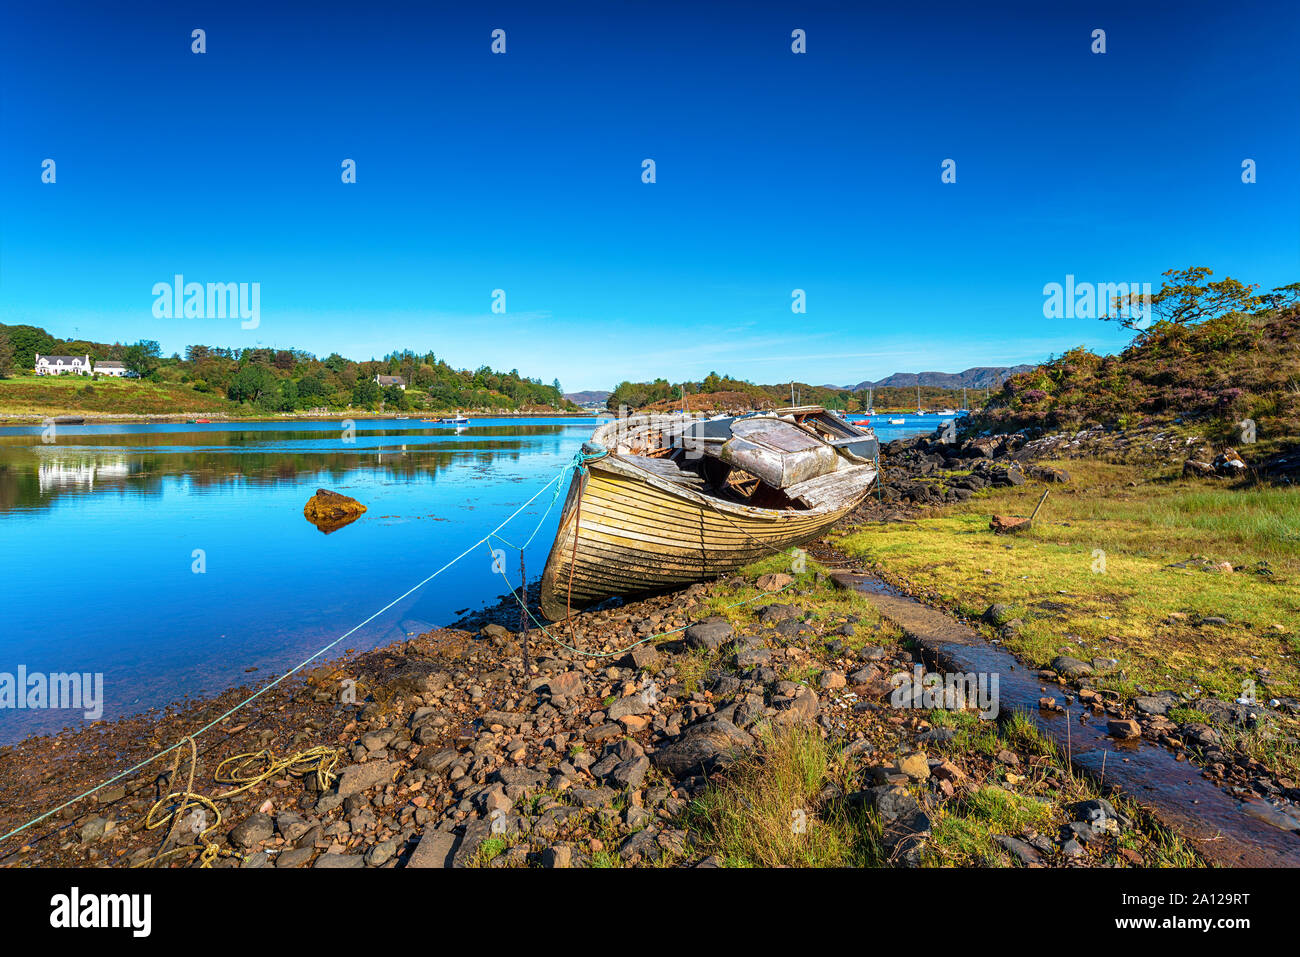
(522, 172)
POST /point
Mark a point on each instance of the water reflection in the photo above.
(87, 458)
(186, 552)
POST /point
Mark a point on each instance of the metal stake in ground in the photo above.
(523, 610)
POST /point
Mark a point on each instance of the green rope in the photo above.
(640, 641)
(577, 465)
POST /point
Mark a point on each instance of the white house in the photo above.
(387, 380)
(59, 365)
(116, 369)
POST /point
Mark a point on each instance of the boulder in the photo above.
(998, 614)
(709, 634)
(1229, 463)
(362, 777)
(701, 746)
(1071, 667)
(1123, 728)
(253, 830)
(1045, 473)
(1195, 469)
(330, 511)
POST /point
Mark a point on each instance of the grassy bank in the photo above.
(27, 396)
(1190, 586)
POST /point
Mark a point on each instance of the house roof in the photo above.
(391, 380)
(108, 364)
(68, 359)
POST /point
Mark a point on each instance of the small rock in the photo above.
(558, 855)
(1123, 728)
(915, 765)
(254, 829)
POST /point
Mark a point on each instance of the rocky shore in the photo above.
(454, 754)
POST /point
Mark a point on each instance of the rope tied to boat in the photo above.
(576, 465)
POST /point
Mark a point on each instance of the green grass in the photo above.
(963, 832)
(964, 828)
(1134, 607)
(490, 850)
(73, 395)
(767, 812)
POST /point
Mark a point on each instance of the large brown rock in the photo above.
(330, 511)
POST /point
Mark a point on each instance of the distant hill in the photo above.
(979, 377)
(590, 397)
(1219, 373)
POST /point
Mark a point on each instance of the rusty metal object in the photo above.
(1004, 524)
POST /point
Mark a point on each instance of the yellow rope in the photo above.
(245, 770)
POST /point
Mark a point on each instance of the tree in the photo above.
(142, 357)
(365, 393)
(251, 383)
(26, 342)
(311, 388)
(1282, 297)
(288, 396)
(6, 355)
(394, 396)
(1188, 296)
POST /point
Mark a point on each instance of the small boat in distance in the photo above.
(666, 500)
(897, 421)
(456, 419)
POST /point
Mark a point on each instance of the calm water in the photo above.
(98, 533)
(911, 425)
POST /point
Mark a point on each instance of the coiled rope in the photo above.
(247, 770)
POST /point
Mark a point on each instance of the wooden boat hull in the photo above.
(625, 531)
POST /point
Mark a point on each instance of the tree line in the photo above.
(287, 380)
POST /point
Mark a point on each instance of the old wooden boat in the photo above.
(665, 500)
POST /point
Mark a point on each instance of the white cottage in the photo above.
(116, 369)
(60, 365)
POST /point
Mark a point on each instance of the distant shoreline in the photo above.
(126, 418)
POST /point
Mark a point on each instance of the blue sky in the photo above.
(522, 172)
